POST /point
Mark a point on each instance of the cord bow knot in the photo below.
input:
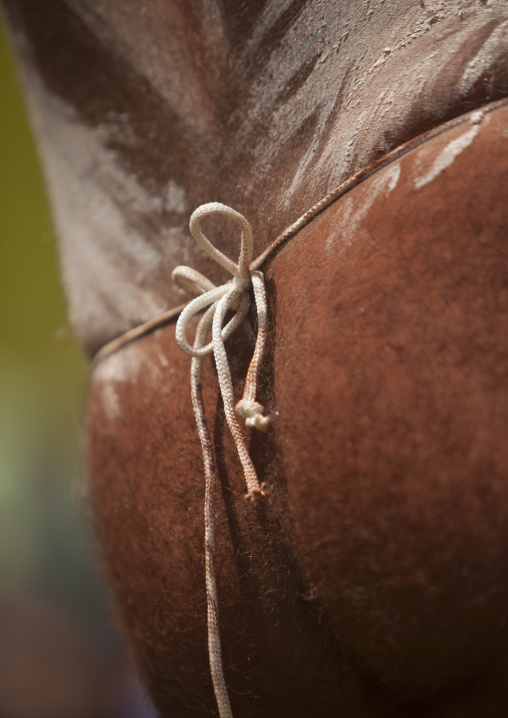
(234, 295)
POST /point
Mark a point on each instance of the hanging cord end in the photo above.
(255, 495)
(252, 412)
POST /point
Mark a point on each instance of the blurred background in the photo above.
(59, 657)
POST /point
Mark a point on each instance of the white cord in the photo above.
(235, 296)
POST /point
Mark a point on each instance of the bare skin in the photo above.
(372, 582)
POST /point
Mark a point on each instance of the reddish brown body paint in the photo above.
(376, 571)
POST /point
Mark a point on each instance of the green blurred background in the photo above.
(46, 551)
(42, 374)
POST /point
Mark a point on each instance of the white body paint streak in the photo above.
(175, 200)
(116, 369)
(110, 401)
(487, 55)
(166, 63)
(271, 13)
(125, 366)
(121, 366)
(391, 51)
(352, 214)
(349, 151)
(447, 156)
(164, 362)
(101, 252)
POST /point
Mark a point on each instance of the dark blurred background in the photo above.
(59, 657)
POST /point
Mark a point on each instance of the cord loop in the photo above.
(234, 295)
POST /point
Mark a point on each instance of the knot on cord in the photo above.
(234, 296)
(252, 412)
